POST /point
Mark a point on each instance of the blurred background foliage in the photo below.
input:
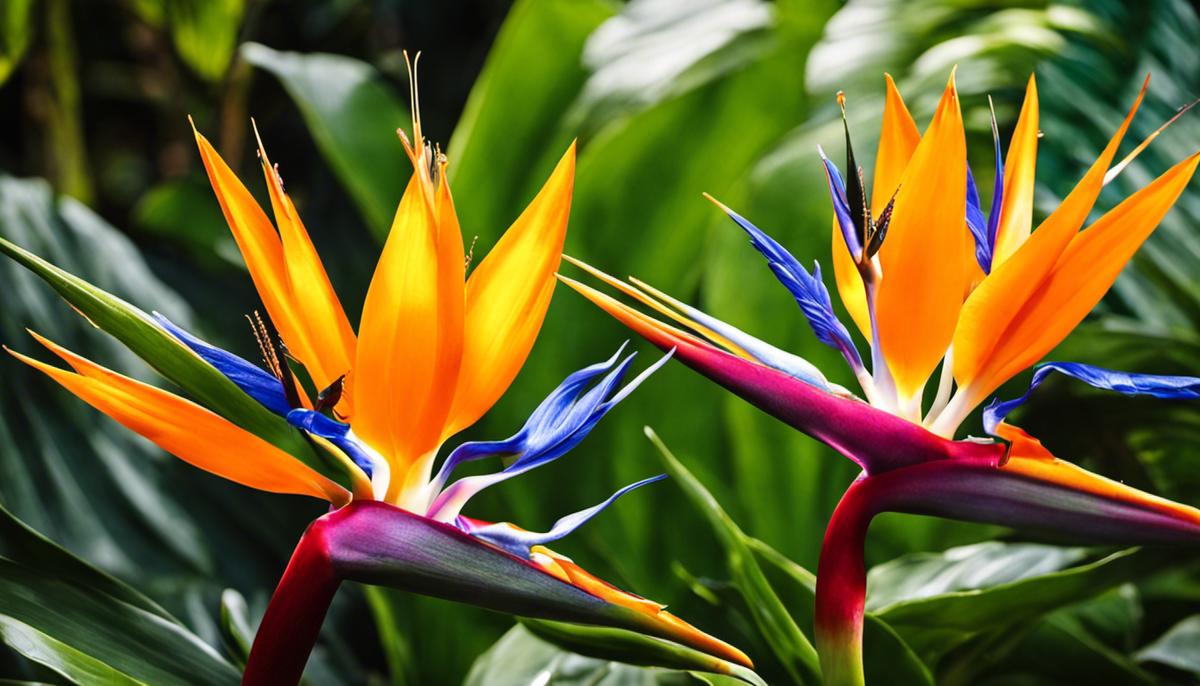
(667, 99)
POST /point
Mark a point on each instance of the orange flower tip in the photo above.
(718, 203)
(193, 124)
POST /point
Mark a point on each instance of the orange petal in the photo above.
(254, 234)
(1016, 213)
(994, 305)
(898, 139)
(1085, 272)
(188, 431)
(408, 322)
(507, 296)
(923, 257)
(318, 332)
(659, 333)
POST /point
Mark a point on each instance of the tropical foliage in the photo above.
(123, 565)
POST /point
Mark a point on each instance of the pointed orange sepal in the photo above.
(919, 297)
(507, 296)
(186, 430)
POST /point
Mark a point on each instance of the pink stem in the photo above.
(842, 587)
(294, 616)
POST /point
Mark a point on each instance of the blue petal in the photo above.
(977, 225)
(997, 198)
(564, 419)
(1157, 385)
(518, 541)
(540, 421)
(808, 290)
(256, 382)
(841, 206)
(335, 432)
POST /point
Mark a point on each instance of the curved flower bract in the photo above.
(932, 282)
(434, 350)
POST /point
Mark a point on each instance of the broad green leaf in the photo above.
(58, 610)
(633, 648)
(519, 659)
(658, 49)
(182, 211)
(205, 33)
(142, 646)
(511, 131)
(24, 546)
(235, 623)
(1062, 649)
(886, 657)
(352, 115)
(172, 359)
(791, 647)
(16, 32)
(934, 623)
(1178, 647)
(967, 568)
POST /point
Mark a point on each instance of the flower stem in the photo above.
(294, 616)
(841, 588)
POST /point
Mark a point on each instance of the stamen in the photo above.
(263, 339)
(470, 254)
(856, 196)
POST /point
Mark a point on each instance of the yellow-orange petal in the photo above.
(253, 233)
(923, 257)
(680, 631)
(507, 297)
(1016, 213)
(1084, 273)
(658, 333)
(400, 338)
(993, 306)
(898, 140)
(188, 431)
(317, 331)
(849, 282)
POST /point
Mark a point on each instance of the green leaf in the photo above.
(632, 648)
(790, 645)
(236, 626)
(955, 603)
(22, 545)
(1178, 647)
(168, 356)
(352, 115)
(57, 610)
(205, 33)
(16, 32)
(688, 44)
(182, 211)
(511, 131)
(886, 657)
(519, 658)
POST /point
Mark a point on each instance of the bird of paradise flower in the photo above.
(931, 282)
(434, 350)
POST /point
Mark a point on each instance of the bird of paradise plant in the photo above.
(931, 282)
(433, 351)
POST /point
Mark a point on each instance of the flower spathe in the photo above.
(931, 282)
(434, 349)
